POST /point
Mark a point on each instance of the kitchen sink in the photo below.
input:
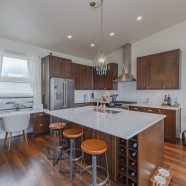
(109, 111)
(112, 111)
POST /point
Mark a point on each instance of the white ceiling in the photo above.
(46, 23)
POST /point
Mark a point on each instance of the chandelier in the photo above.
(101, 60)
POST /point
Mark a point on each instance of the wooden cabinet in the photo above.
(155, 71)
(58, 67)
(159, 71)
(142, 72)
(83, 77)
(40, 123)
(171, 69)
(105, 82)
(99, 81)
(172, 123)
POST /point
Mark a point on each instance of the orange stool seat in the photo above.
(57, 126)
(94, 146)
(72, 133)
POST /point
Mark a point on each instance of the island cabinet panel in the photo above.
(137, 159)
(159, 71)
(57, 66)
(40, 123)
(172, 123)
(83, 76)
(111, 154)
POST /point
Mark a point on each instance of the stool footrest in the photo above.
(74, 158)
(90, 172)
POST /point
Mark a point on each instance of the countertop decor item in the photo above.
(101, 59)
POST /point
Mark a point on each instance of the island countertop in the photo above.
(125, 124)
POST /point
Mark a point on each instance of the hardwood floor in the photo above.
(28, 165)
(175, 155)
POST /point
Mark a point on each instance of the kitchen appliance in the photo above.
(121, 104)
(61, 93)
(58, 93)
(126, 76)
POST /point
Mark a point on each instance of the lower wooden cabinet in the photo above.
(40, 123)
(172, 122)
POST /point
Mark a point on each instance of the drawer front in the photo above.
(134, 108)
(40, 124)
(39, 114)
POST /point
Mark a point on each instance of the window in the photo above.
(14, 67)
(14, 80)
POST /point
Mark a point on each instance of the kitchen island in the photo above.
(126, 133)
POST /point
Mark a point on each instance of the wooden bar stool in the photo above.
(56, 128)
(72, 134)
(95, 147)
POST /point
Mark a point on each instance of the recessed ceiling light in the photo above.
(112, 34)
(69, 37)
(92, 45)
(139, 18)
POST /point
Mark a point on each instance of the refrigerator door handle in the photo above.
(65, 94)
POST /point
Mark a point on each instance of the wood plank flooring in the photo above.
(28, 165)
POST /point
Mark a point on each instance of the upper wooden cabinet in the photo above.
(58, 67)
(83, 76)
(105, 82)
(171, 69)
(158, 71)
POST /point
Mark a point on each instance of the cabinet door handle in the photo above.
(150, 110)
(41, 125)
(163, 87)
(41, 114)
(135, 108)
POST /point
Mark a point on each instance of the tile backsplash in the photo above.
(127, 91)
(13, 103)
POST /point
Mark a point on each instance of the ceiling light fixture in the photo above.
(112, 34)
(101, 59)
(92, 45)
(139, 18)
(69, 37)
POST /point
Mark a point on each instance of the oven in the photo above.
(121, 104)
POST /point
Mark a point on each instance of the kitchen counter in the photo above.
(125, 124)
(151, 105)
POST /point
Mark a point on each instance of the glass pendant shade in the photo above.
(100, 62)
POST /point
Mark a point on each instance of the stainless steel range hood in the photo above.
(126, 76)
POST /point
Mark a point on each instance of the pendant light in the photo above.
(101, 60)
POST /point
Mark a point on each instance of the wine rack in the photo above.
(128, 162)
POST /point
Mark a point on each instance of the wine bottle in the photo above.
(134, 154)
(121, 149)
(121, 176)
(133, 173)
(132, 184)
(122, 141)
(133, 163)
(165, 100)
(122, 159)
(122, 169)
(135, 145)
(169, 100)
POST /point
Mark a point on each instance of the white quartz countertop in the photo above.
(125, 124)
(151, 105)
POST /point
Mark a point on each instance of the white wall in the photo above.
(24, 48)
(168, 39)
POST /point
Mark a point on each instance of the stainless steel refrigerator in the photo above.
(61, 94)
